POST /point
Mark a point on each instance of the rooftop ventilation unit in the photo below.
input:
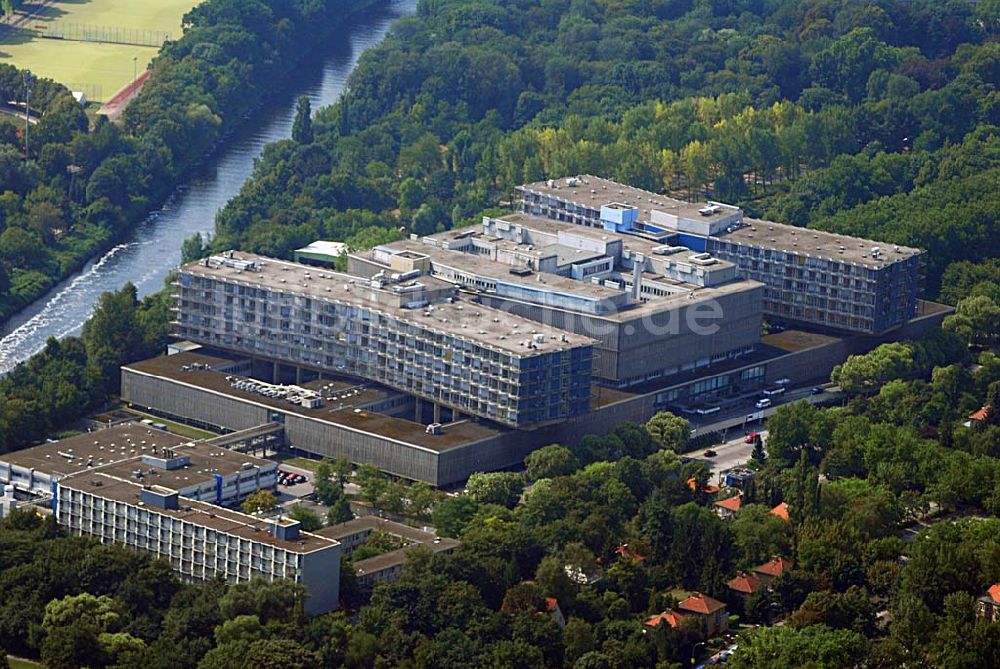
(703, 259)
(667, 250)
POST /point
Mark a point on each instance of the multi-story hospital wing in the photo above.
(404, 330)
(811, 277)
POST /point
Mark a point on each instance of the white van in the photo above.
(763, 403)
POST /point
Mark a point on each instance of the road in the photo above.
(732, 453)
(17, 113)
(913, 530)
(735, 415)
(734, 426)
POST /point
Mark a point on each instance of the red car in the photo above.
(751, 438)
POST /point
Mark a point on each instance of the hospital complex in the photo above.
(436, 357)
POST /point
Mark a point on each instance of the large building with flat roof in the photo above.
(365, 423)
(404, 437)
(200, 541)
(653, 310)
(196, 469)
(404, 330)
(822, 279)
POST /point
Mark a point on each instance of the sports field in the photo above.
(83, 60)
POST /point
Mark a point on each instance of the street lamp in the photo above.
(135, 68)
(694, 649)
(27, 113)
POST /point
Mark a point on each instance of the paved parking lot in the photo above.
(731, 454)
(294, 492)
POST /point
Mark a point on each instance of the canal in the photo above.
(154, 248)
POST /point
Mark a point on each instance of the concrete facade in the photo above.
(387, 567)
(459, 450)
(833, 281)
(405, 449)
(200, 541)
(821, 291)
(197, 470)
(653, 310)
(410, 335)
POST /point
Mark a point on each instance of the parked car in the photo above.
(818, 390)
(763, 403)
(751, 438)
(709, 453)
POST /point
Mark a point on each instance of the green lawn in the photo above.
(99, 69)
(176, 428)
(295, 461)
(23, 664)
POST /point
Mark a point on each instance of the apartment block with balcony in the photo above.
(827, 280)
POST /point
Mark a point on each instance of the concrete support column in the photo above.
(298, 375)
(437, 412)
(275, 373)
(417, 407)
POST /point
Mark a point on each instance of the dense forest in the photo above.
(638, 521)
(81, 187)
(875, 118)
(74, 376)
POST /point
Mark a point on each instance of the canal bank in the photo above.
(153, 248)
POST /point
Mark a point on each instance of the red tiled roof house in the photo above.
(729, 507)
(772, 569)
(781, 511)
(671, 617)
(744, 584)
(989, 604)
(710, 612)
(554, 612)
(626, 551)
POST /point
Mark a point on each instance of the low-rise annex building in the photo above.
(197, 469)
(387, 567)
